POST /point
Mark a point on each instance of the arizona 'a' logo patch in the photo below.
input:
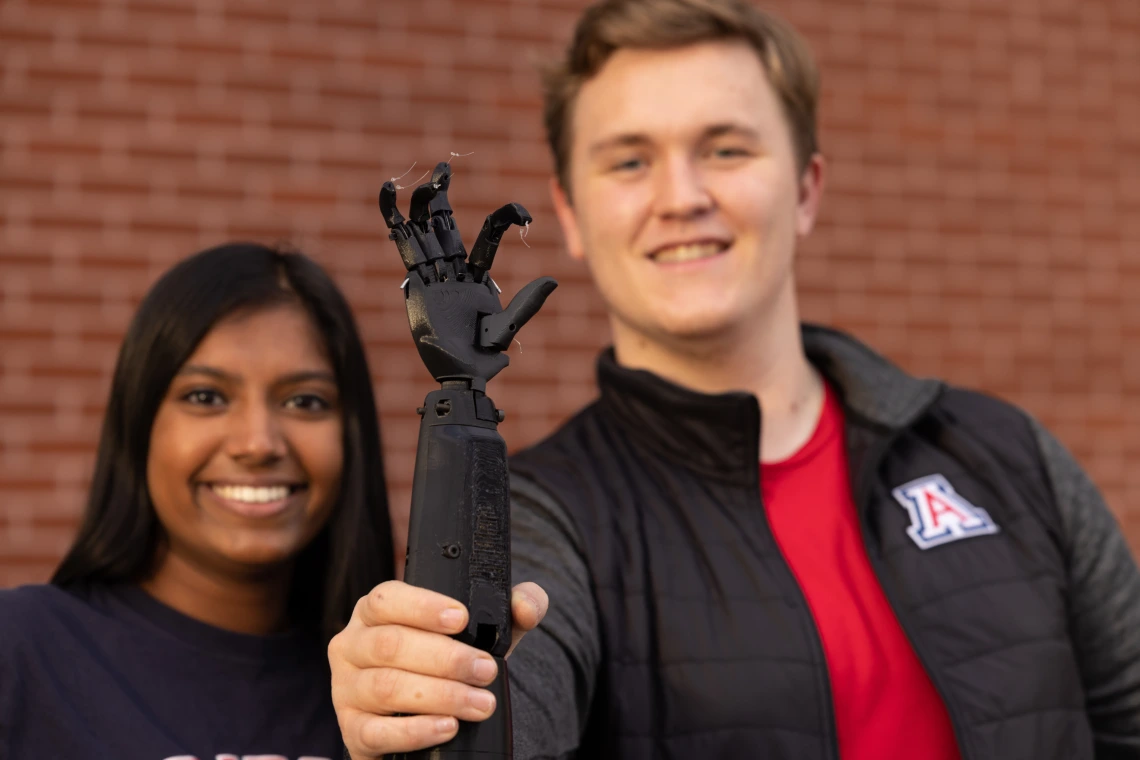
(939, 515)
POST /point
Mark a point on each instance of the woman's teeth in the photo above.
(252, 494)
(688, 252)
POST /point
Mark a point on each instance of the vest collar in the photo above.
(719, 434)
(870, 386)
(713, 434)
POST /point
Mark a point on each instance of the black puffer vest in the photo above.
(709, 650)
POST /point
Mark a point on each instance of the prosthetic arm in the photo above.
(459, 532)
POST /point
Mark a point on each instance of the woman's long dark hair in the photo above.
(120, 530)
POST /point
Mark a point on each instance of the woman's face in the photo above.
(246, 451)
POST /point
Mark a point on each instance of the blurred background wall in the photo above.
(982, 221)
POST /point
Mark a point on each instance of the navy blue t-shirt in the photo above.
(113, 673)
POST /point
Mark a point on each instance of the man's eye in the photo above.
(308, 402)
(630, 164)
(729, 152)
(204, 397)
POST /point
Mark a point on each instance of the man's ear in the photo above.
(811, 194)
(567, 219)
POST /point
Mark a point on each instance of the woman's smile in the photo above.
(256, 500)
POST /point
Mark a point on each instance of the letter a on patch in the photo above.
(939, 515)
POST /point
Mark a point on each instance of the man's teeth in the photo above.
(251, 494)
(688, 252)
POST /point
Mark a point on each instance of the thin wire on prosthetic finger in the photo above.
(456, 155)
(523, 231)
(404, 187)
(397, 179)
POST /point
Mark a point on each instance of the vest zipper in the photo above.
(817, 640)
(863, 496)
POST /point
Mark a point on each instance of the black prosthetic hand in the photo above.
(453, 305)
(459, 532)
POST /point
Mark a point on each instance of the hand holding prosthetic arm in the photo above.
(459, 532)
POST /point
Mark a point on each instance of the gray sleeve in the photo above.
(553, 670)
(1104, 604)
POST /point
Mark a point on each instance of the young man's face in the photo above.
(685, 199)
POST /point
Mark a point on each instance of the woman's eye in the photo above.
(204, 397)
(308, 402)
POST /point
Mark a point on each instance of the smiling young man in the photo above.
(763, 540)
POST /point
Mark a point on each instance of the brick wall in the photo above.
(982, 222)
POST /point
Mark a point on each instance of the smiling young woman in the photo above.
(237, 512)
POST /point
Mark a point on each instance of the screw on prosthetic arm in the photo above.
(457, 322)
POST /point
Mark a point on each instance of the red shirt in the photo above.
(885, 704)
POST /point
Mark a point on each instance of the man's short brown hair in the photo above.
(610, 25)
